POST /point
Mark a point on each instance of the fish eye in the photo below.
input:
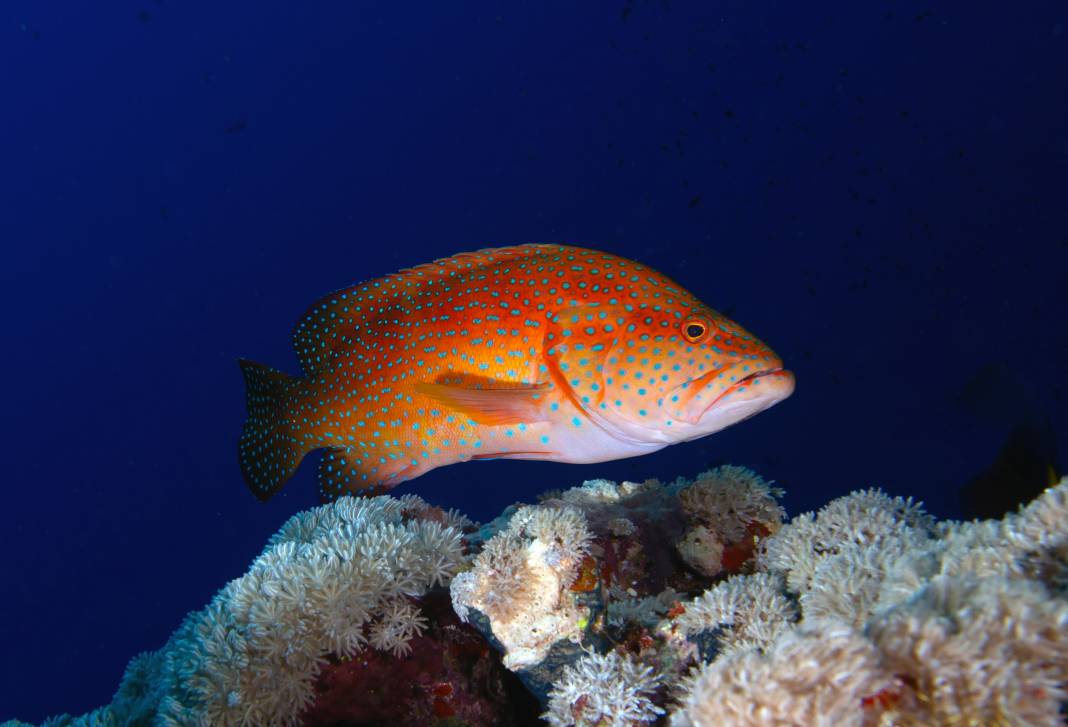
(694, 330)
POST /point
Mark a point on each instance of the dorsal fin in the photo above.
(336, 320)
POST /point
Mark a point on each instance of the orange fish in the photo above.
(529, 352)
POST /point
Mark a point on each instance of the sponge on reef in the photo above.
(520, 582)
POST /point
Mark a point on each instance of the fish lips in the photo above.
(744, 398)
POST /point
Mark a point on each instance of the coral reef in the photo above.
(451, 676)
(743, 611)
(903, 621)
(603, 563)
(331, 582)
(806, 677)
(690, 603)
(607, 690)
(520, 582)
(726, 508)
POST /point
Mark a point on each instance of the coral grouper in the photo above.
(528, 352)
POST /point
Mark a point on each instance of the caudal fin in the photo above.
(268, 452)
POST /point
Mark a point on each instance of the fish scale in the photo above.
(545, 352)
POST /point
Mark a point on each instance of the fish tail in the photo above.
(268, 451)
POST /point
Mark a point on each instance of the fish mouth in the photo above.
(752, 393)
(744, 382)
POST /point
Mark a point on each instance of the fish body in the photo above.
(542, 352)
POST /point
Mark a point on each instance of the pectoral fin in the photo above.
(494, 406)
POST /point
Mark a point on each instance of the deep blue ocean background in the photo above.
(877, 189)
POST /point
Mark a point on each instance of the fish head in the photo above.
(726, 376)
(670, 376)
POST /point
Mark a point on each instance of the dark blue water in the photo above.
(876, 189)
